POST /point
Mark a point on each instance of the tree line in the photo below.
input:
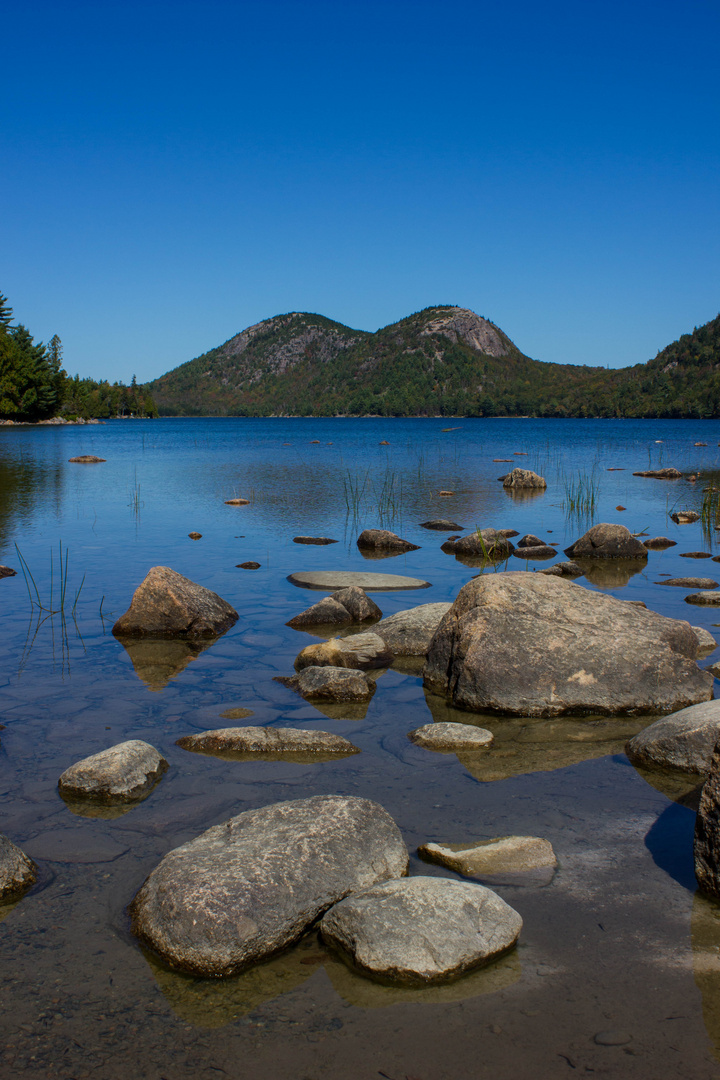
(35, 386)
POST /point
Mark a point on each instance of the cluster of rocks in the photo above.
(350, 605)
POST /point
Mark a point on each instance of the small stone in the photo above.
(529, 540)
(441, 525)
(362, 651)
(563, 569)
(357, 603)
(319, 540)
(659, 543)
(450, 736)
(330, 684)
(542, 551)
(86, 459)
(6, 571)
(421, 930)
(236, 714)
(690, 582)
(696, 555)
(383, 540)
(704, 599)
(503, 855)
(237, 502)
(705, 639)
(123, 773)
(685, 517)
(448, 493)
(17, 871)
(621, 507)
(613, 1037)
(660, 474)
(340, 579)
(267, 740)
(524, 478)
(249, 565)
(326, 612)
(195, 536)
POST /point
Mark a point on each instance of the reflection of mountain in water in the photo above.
(158, 660)
(526, 744)
(25, 484)
(212, 1003)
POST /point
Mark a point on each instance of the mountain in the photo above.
(443, 361)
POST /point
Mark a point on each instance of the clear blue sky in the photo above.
(173, 172)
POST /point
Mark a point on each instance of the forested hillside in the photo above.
(34, 386)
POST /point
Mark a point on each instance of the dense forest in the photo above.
(34, 386)
(443, 361)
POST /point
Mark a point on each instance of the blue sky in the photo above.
(173, 172)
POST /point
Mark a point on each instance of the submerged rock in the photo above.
(542, 551)
(685, 740)
(690, 582)
(451, 737)
(340, 579)
(247, 888)
(421, 930)
(122, 773)
(330, 684)
(606, 541)
(249, 565)
(503, 855)
(362, 651)
(704, 599)
(17, 871)
(167, 604)
(383, 540)
(659, 543)
(533, 645)
(86, 459)
(685, 517)
(564, 569)
(441, 525)
(319, 540)
(409, 633)
(706, 848)
(660, 474)
(523, 478)
(267, 740)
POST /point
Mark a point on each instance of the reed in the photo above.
(62, 584)
(582, 493)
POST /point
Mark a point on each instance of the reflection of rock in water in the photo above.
(8, 907)
(158, 660)
(705, 937)
(211, 1003)
(526, 744)
(362, 992)
(682, 787)
(610, 573)
(518, 494)
(88, 809)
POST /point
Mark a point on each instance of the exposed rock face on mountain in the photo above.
(461, 324)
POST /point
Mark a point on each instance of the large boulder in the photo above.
(383, 540)
(707, 831)
(421, 930)
(531, 645)
(364, 651)
(245, 889)
(524, 478)
(17, 871)
(685, 740)
(120, 774)
(409, 633)
(339, 684)
(166, 604)
(607, 541)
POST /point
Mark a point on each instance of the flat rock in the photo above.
(167, 604)
(363, 651)
(533, 645)
(685, 517)
(690, 582)
(523, 478)
(383, 540)
(341, 579)
(421, 930)
(704, 599)
(321, 541)
(330, 684)
(267, 740)
(450, 736)
(409, 633)
(441, 525)
(75, 845)
(660, 474)
(706, 641)
(247, 888)
(86, 459)
(122, 773)
(607, 541)
(237, 502)
(542, 551)
(685, 740)
(502, 855)
(564, 569)
(696, 554)
(17, 871)
(659, 543)
(507, 533)
(707, 831)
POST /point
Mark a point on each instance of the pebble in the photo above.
(613, 1038)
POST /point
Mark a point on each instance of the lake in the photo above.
(619, 942)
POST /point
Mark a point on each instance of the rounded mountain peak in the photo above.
(462, 324)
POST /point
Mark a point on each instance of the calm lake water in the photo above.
(619, 942)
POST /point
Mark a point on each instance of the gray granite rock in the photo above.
(327, 612)
(704, 599)
(529, 540)
(341, 579)
(409, 633)
(706, 641)
(247, 888)
(166, 604)
(486, 544)
(502, 855)
(421, 930)
(450, 736)
(267, 740)
(523, 478)
(607, 541)
(541, 551)
(364, 651)
(706, 848)
(383, 540)
(17, 871)
(330, 684)
(685, 740)
(533, 645)
(564, 569)
(357, 603)
(122, 773)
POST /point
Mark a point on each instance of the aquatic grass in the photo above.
(383, 498)
(37, 601)
(582, 493)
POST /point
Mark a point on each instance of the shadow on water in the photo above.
(670, 843)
